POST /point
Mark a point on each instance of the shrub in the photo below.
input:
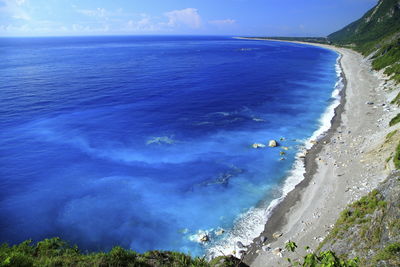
(395, 120)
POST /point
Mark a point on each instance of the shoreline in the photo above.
(338, 168)
(294, 181)
(277, 216)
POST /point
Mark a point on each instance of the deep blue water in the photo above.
(144, 141)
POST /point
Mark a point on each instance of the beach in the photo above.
(345, 164)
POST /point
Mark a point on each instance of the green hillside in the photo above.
(377, 33)
(380, 24)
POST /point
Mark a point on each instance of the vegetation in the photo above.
(395, 120)
(56, 252)
(356, 213)
(375, 27)
(391, 254)
(396, 158)
(396, 100)
(321, 259)
(388, 57)
(391, 134)
(395, 71)
(378, 29)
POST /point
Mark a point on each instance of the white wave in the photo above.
(251, 224)
(161, 140)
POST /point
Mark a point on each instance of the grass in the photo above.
(396, 100)
(355, 214)
(395, 71)
(391, 134)
(388, 55)
(395, 120)
(391, 254)
(56, 252)
(396, 158)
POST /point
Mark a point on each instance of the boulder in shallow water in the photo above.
(220, 232)
(204, 238)
(273, 143)
(257, 145)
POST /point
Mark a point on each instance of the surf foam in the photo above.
(251, 224)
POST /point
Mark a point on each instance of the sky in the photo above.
(178, 17)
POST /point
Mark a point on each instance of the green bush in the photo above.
(396, 158)
(356, 213)
(321, 259)
(395, 120)
(391, 254)
(56, 252)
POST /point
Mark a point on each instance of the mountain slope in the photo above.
(377, 35)
(378, 25)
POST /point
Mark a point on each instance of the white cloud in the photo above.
(98, 12)
(222, 22)
(20, 2)
(14, 9)
(185, 17)
(143, 25)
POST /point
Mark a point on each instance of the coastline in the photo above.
(278, 214)
(306, 213)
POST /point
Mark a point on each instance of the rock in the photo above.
(220, 232)
(205, 238)
(277, 235)
(272, 143)
(256, 145)
(263, 239)
(240, 244)
(285, 148)
(282, 153)
(277, 252)
(266, 248)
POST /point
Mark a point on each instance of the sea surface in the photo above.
(146, 142)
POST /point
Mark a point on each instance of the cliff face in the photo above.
(370, 228)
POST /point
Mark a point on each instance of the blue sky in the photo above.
(196, 17)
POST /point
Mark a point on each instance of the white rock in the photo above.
(272, 143)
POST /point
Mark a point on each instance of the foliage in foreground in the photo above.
(321, 259)
(56, 252)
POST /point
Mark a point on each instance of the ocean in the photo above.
(146, 142)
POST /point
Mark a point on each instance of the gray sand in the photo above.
(348, 163)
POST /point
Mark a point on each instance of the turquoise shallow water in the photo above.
(145, 141)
